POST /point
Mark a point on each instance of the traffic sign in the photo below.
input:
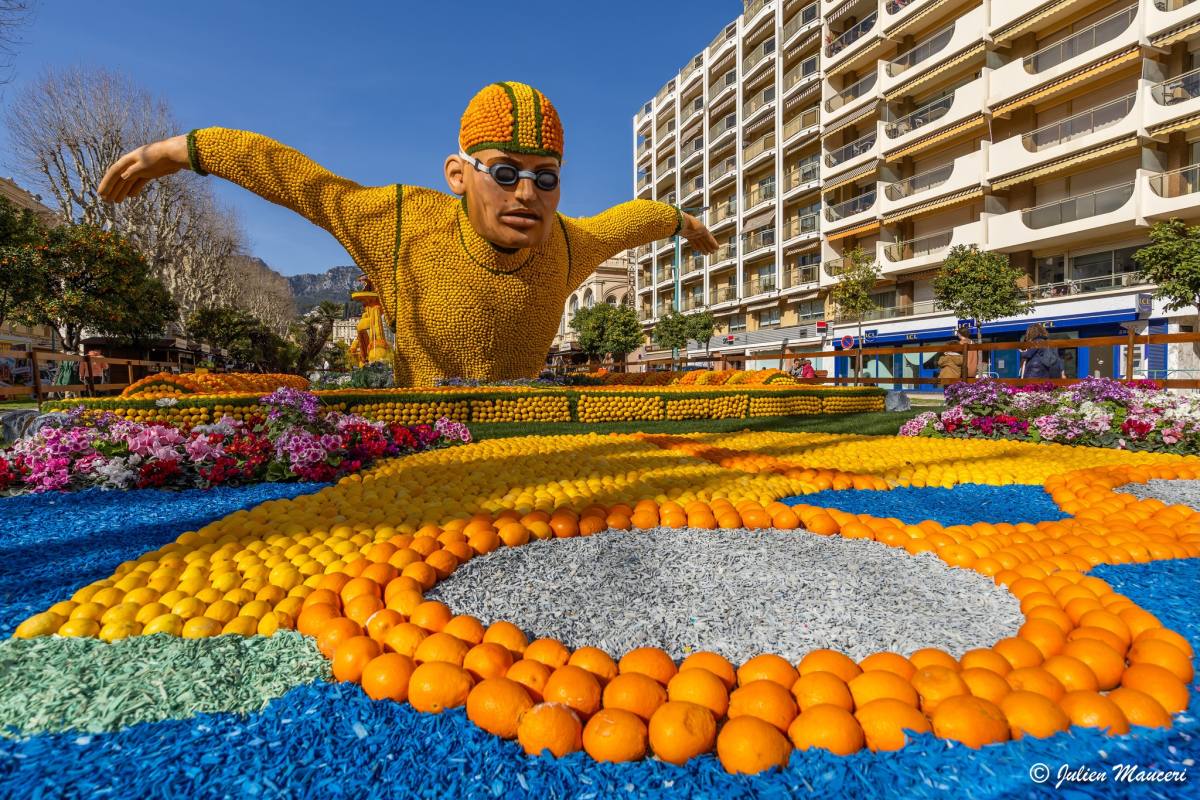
(847, 342)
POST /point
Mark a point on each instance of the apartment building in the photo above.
(610, 283)
(1055, 132)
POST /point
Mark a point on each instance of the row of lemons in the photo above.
(784, 406)
(419, 413)
(721, 407)
(351, 563)
(547, 408)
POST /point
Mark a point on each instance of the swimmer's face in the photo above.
(513, 217)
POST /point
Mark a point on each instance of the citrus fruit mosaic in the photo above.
(350, 566)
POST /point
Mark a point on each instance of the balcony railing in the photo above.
(806, 68)
(930, 112)
(760, 193)
(1101, 201)
(759, 285)
(693, 263)
(696, 108)
(690, 187)
(759, 102)
(759, 146)
(664, 91)
(665, 274)
(852, 34)
(852, 92)
(691, 302)
(754, 59)
(801, 225)
(920, 182)
(725, 125)
(724, 168)
(896, 6)
(1171, 5)
(799, 276)
(644, 148)
(835, 266)
(848, 208)
(848, 151)
(645, 278)
(894, 312)
(692, 147)
(1081, 124)
(644, 314)
(1177, 90)
(1099, 283)
(721, 294)
(760, 239)
(806, 171)
(724, 210)
(665, 308)
(724, 36)
(725, 252)
(643, 182)
(721, 84)
(806, 119)
(754, 7)
(1177, 182)
(1095, 35)
(922, 51)
(807, 14)
(919, 247)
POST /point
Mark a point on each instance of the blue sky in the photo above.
(374, 90)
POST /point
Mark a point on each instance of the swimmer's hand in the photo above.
(698, 235)
(129, 175)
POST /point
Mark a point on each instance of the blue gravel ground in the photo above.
(330, 740)
(964, 504)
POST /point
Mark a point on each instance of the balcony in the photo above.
(847, 99)
(759, 284)
(1079, 125)
(808, 17)
(666, 276)
(964, 172)
(692, 111)
(645, 279)
(645, 314)
(1074, 219)
(841, 213)
(759, 57)
(726, 252)
(851, 39)
(643, 181)
(663, 309)
(935, 49)
(801, 225)
(1173, 194)
(806, 173)
(751, 10)
(759, 194)
(853, 153)
(691, 188)
(758, 148)
(1166, 15)
(722, 294)
(1105, 38)
(913, 309)
(692, 69)
(759, 102)
(897, 11)
(693, 263)
(642, 252)
(723, 40)
(759, 240)
(723, 170)
(806, 120)
(692, 302)
(802, 74)
(1174, 99)
(929, 249)
(799, 277)
(723, 212)
(964, 102)
(664, 93)
(834, 267)
(722, 129)
(692, 149)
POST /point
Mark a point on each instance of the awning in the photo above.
(858, 116)
(802, 94)
(857, 230)
(802, 247)
(759, 219)
(934, 138)
(840, 11)
(1080, 75)
(924, 274)
(805, 42)
(1066, 162)
(1185, 124)
(908, 87)
(927, 11)
(862, 172)
(763, 304)
(1019, 26)
(1176, 34)
(932, 205)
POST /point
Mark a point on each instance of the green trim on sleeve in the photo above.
(678, 220)
(396, 255)
(194, 153)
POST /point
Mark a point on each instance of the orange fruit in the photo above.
(1140, 708)
(764, 699)
(769, 667)
(1108, 621)
(514, 534)
(823, 688)
(552, 727)
(824, 660)
(319, 596)
(1094, 710)
(387, 676)
(530, 674)
(985, 683)
(933, 657)
(574, 687)
(312, 618)
(1047, 637)
(496, 704)
(381, 622)
(1106, 664)
(356, 587)
(888, 662)
(437, 685)
(465, 627)
(615, 736)
(716, 664)
(595, 661)
(1101, 635)
(884, 722)
(1169, 636)
(1019, 652)
(1072, 673)
(352, 656)
(441, 647)
(748, 746)
(1036, 679)
(1031, 714)
(404, 638)
(550, 652)
(1162, 654)
(878, 684)
(985, 658)
(336, 631)
(679, 731)
(970, 720)
(701, 687)
(362, 608)
(405, 601)
(1158, 682)
(828, 727)
(935, 684)
(487, 660)
(432, 615)
(636, 693)
(507, 635)
(650, 661)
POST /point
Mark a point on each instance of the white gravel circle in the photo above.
(737, 592)
(1172, 492)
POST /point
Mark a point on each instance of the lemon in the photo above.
(43, 624)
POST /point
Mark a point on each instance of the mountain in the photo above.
(334, 284)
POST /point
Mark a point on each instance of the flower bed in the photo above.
(1098, 412)
(512, 404)
(283, 437)
(167, 384)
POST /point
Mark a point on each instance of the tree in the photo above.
(22, 277)
(700, 327)
(312, 333)
(980, 285)
(1171, 262)
(98, 281)
(13, 15)
(248, 341)
(852, 293)
(607, 329)
(673, 331)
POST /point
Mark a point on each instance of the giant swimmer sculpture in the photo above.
(473, 285)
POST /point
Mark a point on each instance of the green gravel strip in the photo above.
(52, 684)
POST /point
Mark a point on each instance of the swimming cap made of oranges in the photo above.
(513, 117)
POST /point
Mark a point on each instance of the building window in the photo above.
(768, 318)
(810, 309)
(737, 322)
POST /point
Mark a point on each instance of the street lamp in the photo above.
(678, 297)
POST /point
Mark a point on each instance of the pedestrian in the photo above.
(1039, 363)
(950, 362)
(806, 369)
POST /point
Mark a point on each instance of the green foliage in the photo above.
(672, 330)
(1172, 263)
(96, 280)
(980, 285)
(312, 333)
(22, 275)
(852, 292)
(244, 337)
(605, 329)
(700, 327)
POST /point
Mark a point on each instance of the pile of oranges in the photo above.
(351, 565)
(166, 384)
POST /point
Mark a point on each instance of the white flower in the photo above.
(166, 401)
